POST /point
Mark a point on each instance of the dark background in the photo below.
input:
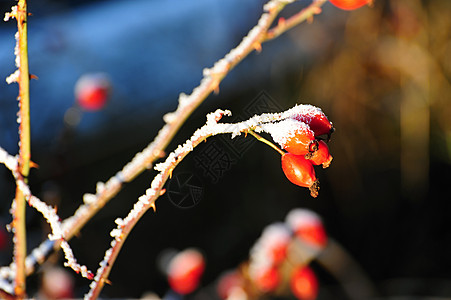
(381, 74)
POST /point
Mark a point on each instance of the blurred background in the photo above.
(381, 74)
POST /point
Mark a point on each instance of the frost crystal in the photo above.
(100, 187)
(283, 131)
(9, 161)
(14, 77)
(89, 198)
(169, 117)
(303, 112)
(10, 15)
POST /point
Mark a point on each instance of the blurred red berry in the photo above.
(274, 242)
(304, 284)
(350, 4)
(307, 226)
(227, 282)
(313, 234)
(57, 283)
(299, 171)
(321, 156)
(185, 271)
(267, 279)
(92, 91)
(315, 119)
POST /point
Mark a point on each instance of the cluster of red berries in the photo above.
(304, 135)
(350, 4)
(279, 259)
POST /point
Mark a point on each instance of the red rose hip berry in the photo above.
(350, 4)
(267, 279)
(299, 171)
(307, 227)
(293, 136)
(321, 156)
(304, 284)
(92, 91)
(185, 271)
(314, 118)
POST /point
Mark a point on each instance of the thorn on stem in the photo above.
(258, 47)
(281, 22)
(316, 10)
(34, 165)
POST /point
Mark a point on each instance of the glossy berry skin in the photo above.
(316, 120)
(299, 171)
(185, 271)
(304, 284)
(349, 4)
(321, 156)
(92, 91)
(301, 143)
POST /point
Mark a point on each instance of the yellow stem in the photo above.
(263, 140)
(20, 245)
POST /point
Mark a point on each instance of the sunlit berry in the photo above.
(314, 118)
(185, 271)
(321, 156)
(292, 135)
(267, 279)
(299, 171)
(304, 284)
(307, 226)
(350, 4)
(92, 91)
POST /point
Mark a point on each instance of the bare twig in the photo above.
(306, 14)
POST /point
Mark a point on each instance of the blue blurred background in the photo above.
(381, 74)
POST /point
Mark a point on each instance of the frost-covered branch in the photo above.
(261, 33)
(9, 161)
(50, 216)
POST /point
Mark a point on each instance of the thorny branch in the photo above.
(50, 215)
(22, 77)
